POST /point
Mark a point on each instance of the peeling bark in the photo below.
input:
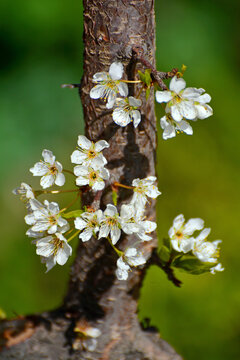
(111, 29)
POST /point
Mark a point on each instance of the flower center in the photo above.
(179, 235)
(111, 221)
(53, 170)
(91, 154)
(93, 176)
(57, 244)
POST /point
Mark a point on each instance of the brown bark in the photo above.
(111, 29)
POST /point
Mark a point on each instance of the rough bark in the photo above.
(111, 29)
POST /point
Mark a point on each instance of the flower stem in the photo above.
(68, 171)
(140, 91)
(123, 186)
(131, 81)
(71, 203)
(39, 192)
(119, 252)
(73, 236)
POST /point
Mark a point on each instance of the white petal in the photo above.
(203, 235)
(116, 70)
(175, 112)
(78, 157)
(115, 234)
(121, 274)
(83, 142)
(153, 192)
(131, 252)
(178, 222)
(47, 181)
(203, 111)
(80, 170)
(192, 225)
(48, 156)
(192, 93)
(97, 91)
(30, 219)
(60, 179)
(188, 110)
(123, 89)
(101, 144)
(169, 132)
(111, 210)
(136, 117)
(98, 185)
(104, 231)
(177, 85)
(86, 234)
(185, 127)
(134, 102)
(39, 169)
(100, 76)
(63, 254)
(122, 265)
(111, 99)
(163, 96)
(80, 223)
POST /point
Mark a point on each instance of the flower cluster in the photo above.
(109, 85)
(90, 162)
(182, 104)
(182, 240)
(131, 220)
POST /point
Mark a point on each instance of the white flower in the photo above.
(93, 177)
(127, 219)
(206, 251)
(171, 127)
(131, 257)
(90, 222)
(49, 169)
(218, 267)
(111, 223)
(54, 249)
(87, 336)
(126, 111)
(89, 153)
(180, 233)
(46, 218)
(186, 103)
(108, 84)
(143, 188)
(26, 193)
(131, 224)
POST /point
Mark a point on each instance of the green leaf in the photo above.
(191, 265)
(72, 214)
(114, 197)
(167, 243)
(164, 254)
(142, 76)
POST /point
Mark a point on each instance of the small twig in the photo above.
(154, 260)
(71, 86)
(138, 52)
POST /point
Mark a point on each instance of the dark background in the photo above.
(41, 48)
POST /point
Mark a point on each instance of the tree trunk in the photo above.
(111, 29)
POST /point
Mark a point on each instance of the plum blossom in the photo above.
(180, 233)
(87, 336)
(130, 224)
(26, 193)
(188, 103)
(89, 153)
(143, 188)
(109, 84)
(94, 178)
(206, 251)
(126, 111)
(45, 218)
(54, 249)
(111, 223)
(49, 170)
(131, 257)
(89, 222)
(171, 127)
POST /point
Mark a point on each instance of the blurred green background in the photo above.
(41, 48)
